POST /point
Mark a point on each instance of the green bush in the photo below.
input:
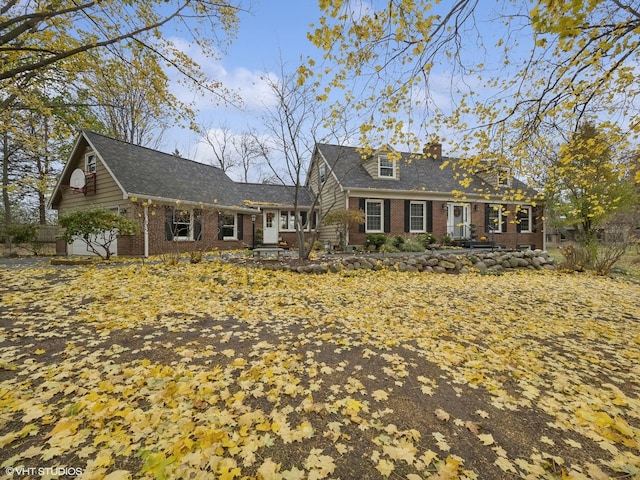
(413, 245)
(25, 235)
(376, 240)
(427, 239)
(398, 242)
(445, 240)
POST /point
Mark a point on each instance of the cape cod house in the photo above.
(176, 202)
(403, 194)
(190, 205)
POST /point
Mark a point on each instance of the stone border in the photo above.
(483, 262)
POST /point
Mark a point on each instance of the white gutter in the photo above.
(173, 201)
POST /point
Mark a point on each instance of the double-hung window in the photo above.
(288, 220)
(228, 226)
(182, 226)
(373, 214)
(494, 219)
(386, 168)
(524, 220)
(90, 163)
(417, 217)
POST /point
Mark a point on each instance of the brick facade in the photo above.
(509, 239)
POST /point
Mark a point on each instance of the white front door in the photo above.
(458, 221)
(270, 227)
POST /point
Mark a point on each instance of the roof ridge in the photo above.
(150, 149)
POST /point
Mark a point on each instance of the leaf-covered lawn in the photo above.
(220, 371)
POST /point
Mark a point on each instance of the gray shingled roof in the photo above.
(275, 194)
(416, 174)
(143, 171)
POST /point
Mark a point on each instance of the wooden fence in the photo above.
(46, 233)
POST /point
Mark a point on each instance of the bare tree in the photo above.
(296, 123)
(249, 150)
(221, 141)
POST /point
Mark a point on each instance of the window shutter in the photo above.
(387, 216)
(220, 232)
(429, 214)
(519, 219)
(487, 218)
(197, 224)
(362, 206)
(504, 219)
(407, 215)
(168, 222)
(240, 226)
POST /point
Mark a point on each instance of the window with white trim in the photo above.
(386, 168)
(495, 218)
(228, 226)
(322, 171)
(90, 163)
(417, 217)
(525, 219)
(182, 227)
(373, 214)
(504, 177)
(287, 220)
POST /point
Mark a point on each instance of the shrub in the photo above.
(376, 240)
(427, 239)
(413, 245)
(25, 236)
(398, 242)
(445, 240)
(98, 228)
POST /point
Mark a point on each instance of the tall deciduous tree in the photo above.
(588, 182)
(554, 65)
(36, 35)
(130, 96)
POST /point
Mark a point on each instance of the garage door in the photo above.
(79, 246)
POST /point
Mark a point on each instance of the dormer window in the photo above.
(90, 163)
(386, 168)
(504, 179)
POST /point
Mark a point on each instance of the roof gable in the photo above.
(143, 172)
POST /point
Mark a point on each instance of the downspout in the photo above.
(544, 232)
(346, 207)
(145, 229)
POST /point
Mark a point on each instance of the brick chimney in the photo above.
(433, 150)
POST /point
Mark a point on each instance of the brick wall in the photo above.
(510, 239)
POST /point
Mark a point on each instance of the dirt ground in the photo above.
(220, 371)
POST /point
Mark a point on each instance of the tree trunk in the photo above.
(5, 178)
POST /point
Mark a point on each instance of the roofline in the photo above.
(176, 201)
(106, 165)
(67, 166)
(448, 196)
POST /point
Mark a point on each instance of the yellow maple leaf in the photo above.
(380, 395)
(385, 467)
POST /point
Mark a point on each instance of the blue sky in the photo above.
(274, 30)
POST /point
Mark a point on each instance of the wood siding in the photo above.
(331, 198)
(107, 192)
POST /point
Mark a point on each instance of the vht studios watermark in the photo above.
(49, 471)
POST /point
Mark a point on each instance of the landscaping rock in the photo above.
(484, 262)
